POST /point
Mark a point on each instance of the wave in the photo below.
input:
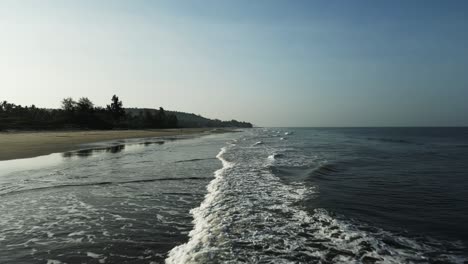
(258, 143)
(289, 157)
(276, 156)
(324, 170)
(303, 173)
(250, 215)
(16, 191)
(201, 232)
(193, 160)
(392, 140)
(342, 241)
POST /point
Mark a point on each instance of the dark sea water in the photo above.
(274, 195)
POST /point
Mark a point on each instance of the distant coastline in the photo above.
(84, 115)
(19, 145)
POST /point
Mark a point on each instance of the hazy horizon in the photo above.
(272, 63)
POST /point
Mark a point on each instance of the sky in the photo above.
(270, 62)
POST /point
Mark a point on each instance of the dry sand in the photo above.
(18, 145)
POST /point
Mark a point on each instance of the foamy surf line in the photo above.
(250, 215)
(201, 234)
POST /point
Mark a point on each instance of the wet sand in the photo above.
(18, 145)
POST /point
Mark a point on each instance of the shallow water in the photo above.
(117, 202)
(269, 196)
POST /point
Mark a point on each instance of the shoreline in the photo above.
(21, 145)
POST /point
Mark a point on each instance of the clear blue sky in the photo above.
(274, 63)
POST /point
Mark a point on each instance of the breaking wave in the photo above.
(250, 215)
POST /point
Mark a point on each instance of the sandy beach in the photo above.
(18, 145)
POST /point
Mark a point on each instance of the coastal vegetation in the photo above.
(83, 114)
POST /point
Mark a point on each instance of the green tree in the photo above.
(84, 105)
(172, 121)
(68, 104)
(162, 118)
(116, 108)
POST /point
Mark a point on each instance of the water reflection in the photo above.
(83, 153)
(89, 152)
(147, 143)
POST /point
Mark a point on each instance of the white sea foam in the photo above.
(201, 234)
(79, 233)
(258, 143)
(99, 257)
(53, 261)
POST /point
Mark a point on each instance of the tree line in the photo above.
(82, 114)
(193, 120)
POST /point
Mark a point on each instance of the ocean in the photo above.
(263, 195)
